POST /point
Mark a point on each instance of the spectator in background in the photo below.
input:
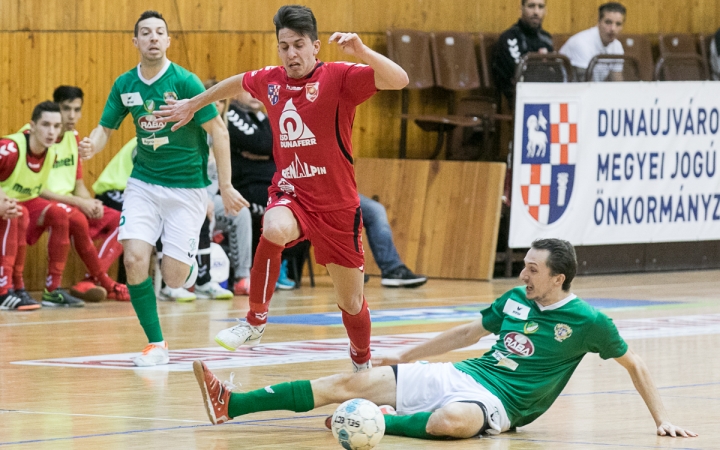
(252, 170)
(527, 35)
(394, 272)
(65, 185)
(598, 40)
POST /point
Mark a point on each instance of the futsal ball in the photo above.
(358, 424)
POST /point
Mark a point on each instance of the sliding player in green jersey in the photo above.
(165, 196)
(544, 331)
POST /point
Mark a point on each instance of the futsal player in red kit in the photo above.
(311, 107)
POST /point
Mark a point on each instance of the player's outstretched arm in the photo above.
(89, 146)
(388, 75)
(182, 111)
(452, 339)
(646, 388)
(233, 201)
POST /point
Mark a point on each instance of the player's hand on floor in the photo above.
(668, 429)
(86, 149)
(233, 201)
(175, 111)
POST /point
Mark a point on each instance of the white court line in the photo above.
(336, 349)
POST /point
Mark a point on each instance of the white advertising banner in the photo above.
(616, 163)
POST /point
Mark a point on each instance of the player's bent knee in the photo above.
(456, 421)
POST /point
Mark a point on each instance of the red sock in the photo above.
(8, 250)
(17, 275)
(358, 329)
(80, 233)
(263, 276)
(108, 249)
(57, 223)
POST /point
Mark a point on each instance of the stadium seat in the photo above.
(677, 43)
(704, 41)
(411, 50)
(485, 49)
(545, 68)
(639, 47)
(681, 67)
(600, 64)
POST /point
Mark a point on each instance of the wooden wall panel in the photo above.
(444, 214)
(564, 16)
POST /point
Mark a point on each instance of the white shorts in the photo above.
(423, 387)
(174, 215)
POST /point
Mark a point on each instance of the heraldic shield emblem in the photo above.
(549, 154)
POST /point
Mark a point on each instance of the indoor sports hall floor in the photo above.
(66, 380)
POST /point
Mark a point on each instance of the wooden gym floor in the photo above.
(66, 381)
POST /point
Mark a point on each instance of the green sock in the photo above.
(295, 396)
(411, 426)
(142, 297)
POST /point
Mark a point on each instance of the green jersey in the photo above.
(172, 159)
(538, 349)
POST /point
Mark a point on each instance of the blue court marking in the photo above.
(260, 422)
(430, 314)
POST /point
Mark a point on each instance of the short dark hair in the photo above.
(148, 15)
(611, 7)
(298, 18)
(46, 106)
(561, 260)
(63, 93)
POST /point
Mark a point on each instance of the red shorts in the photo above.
(110, 218)
(336, 235)
(35, 208)
(37, 205)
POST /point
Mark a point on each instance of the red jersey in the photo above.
(9, 158)
(311, 120)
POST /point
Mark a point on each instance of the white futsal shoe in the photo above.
(367, 365)
(241, 334)
(153, 355)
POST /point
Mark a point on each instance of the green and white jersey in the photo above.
(538, 349)
(172, 159)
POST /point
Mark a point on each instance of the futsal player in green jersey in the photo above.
(165, 196)
(544, 331)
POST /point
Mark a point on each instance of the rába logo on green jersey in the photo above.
(530, 327)
(519, 344)
(562, 332)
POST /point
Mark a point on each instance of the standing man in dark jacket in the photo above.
(525, 36)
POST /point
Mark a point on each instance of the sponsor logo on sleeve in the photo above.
(519, 344)
(516, 310)
(562, 332)
(131, 99)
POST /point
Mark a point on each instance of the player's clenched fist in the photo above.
(86, 149)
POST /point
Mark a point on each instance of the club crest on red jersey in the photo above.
(312, 90)
(273, 93)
